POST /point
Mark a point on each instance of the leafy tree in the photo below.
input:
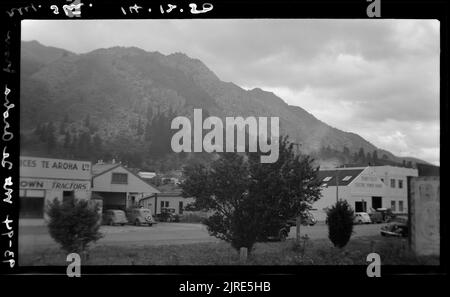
(97, 146)
(84, 145)
(97, 142)
(67, 140)
(250, 200)
(74, 143)
(147, 132)
(74, 224)
(62, 127)
(355, 157)
(50, 138)
(375, 156)
(340, 223)
(361, 155)
(346, 151)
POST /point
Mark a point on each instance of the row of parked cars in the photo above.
(138, 217)
(381, 215)
(395, 226)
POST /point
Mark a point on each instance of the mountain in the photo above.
(126, 95)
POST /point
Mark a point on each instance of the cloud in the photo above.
(377, 78)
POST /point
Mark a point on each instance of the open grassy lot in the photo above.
(393, 251)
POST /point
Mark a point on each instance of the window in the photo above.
(326, 178)
(400, 184)
(164, 204)
(347, 178)
(393, 205)
(400, 206)
(119, 178)
(180, 207)
(392, 183)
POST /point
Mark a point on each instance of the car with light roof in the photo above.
(361, 218)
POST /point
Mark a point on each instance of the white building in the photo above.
(119, 187)
(44, 179)
(168, 200)
(364, 188)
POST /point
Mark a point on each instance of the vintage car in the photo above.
(140, 216)
(168, 215)
(395, 228)
(361, 218)
(280, 233)
(277, 230)
(376, 217)
(114, 217)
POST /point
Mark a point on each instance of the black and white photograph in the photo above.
(263, 142)
(135, 116)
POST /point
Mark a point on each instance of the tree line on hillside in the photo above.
(148, 138)
(147, 142)
(359, 158)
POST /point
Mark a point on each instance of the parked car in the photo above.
(277, 234)
(114, 217)
(140, 216)
(396, 228)
(361, 218)
(376, 217)
(277, 230)
(168, 215)
(307, 220)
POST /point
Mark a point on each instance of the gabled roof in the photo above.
(345, 176)
(103, 168)
(98, 169)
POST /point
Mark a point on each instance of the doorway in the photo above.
(377, 202)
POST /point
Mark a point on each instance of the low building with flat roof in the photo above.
(44, 179)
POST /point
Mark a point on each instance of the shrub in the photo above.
(340, 223)
(73, 224)
(251, 201)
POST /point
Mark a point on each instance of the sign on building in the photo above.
(54, 168)
(47, 184)
(425, 215)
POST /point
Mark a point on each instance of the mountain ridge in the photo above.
(121, 85)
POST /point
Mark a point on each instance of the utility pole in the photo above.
(298, 220)
(337, 185)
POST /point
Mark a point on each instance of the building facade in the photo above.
(44, 179)
(364, 188)
(119, 187)
(169, 200)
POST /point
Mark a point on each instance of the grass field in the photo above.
(393, 251)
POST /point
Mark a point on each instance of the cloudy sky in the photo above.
(377, 78)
